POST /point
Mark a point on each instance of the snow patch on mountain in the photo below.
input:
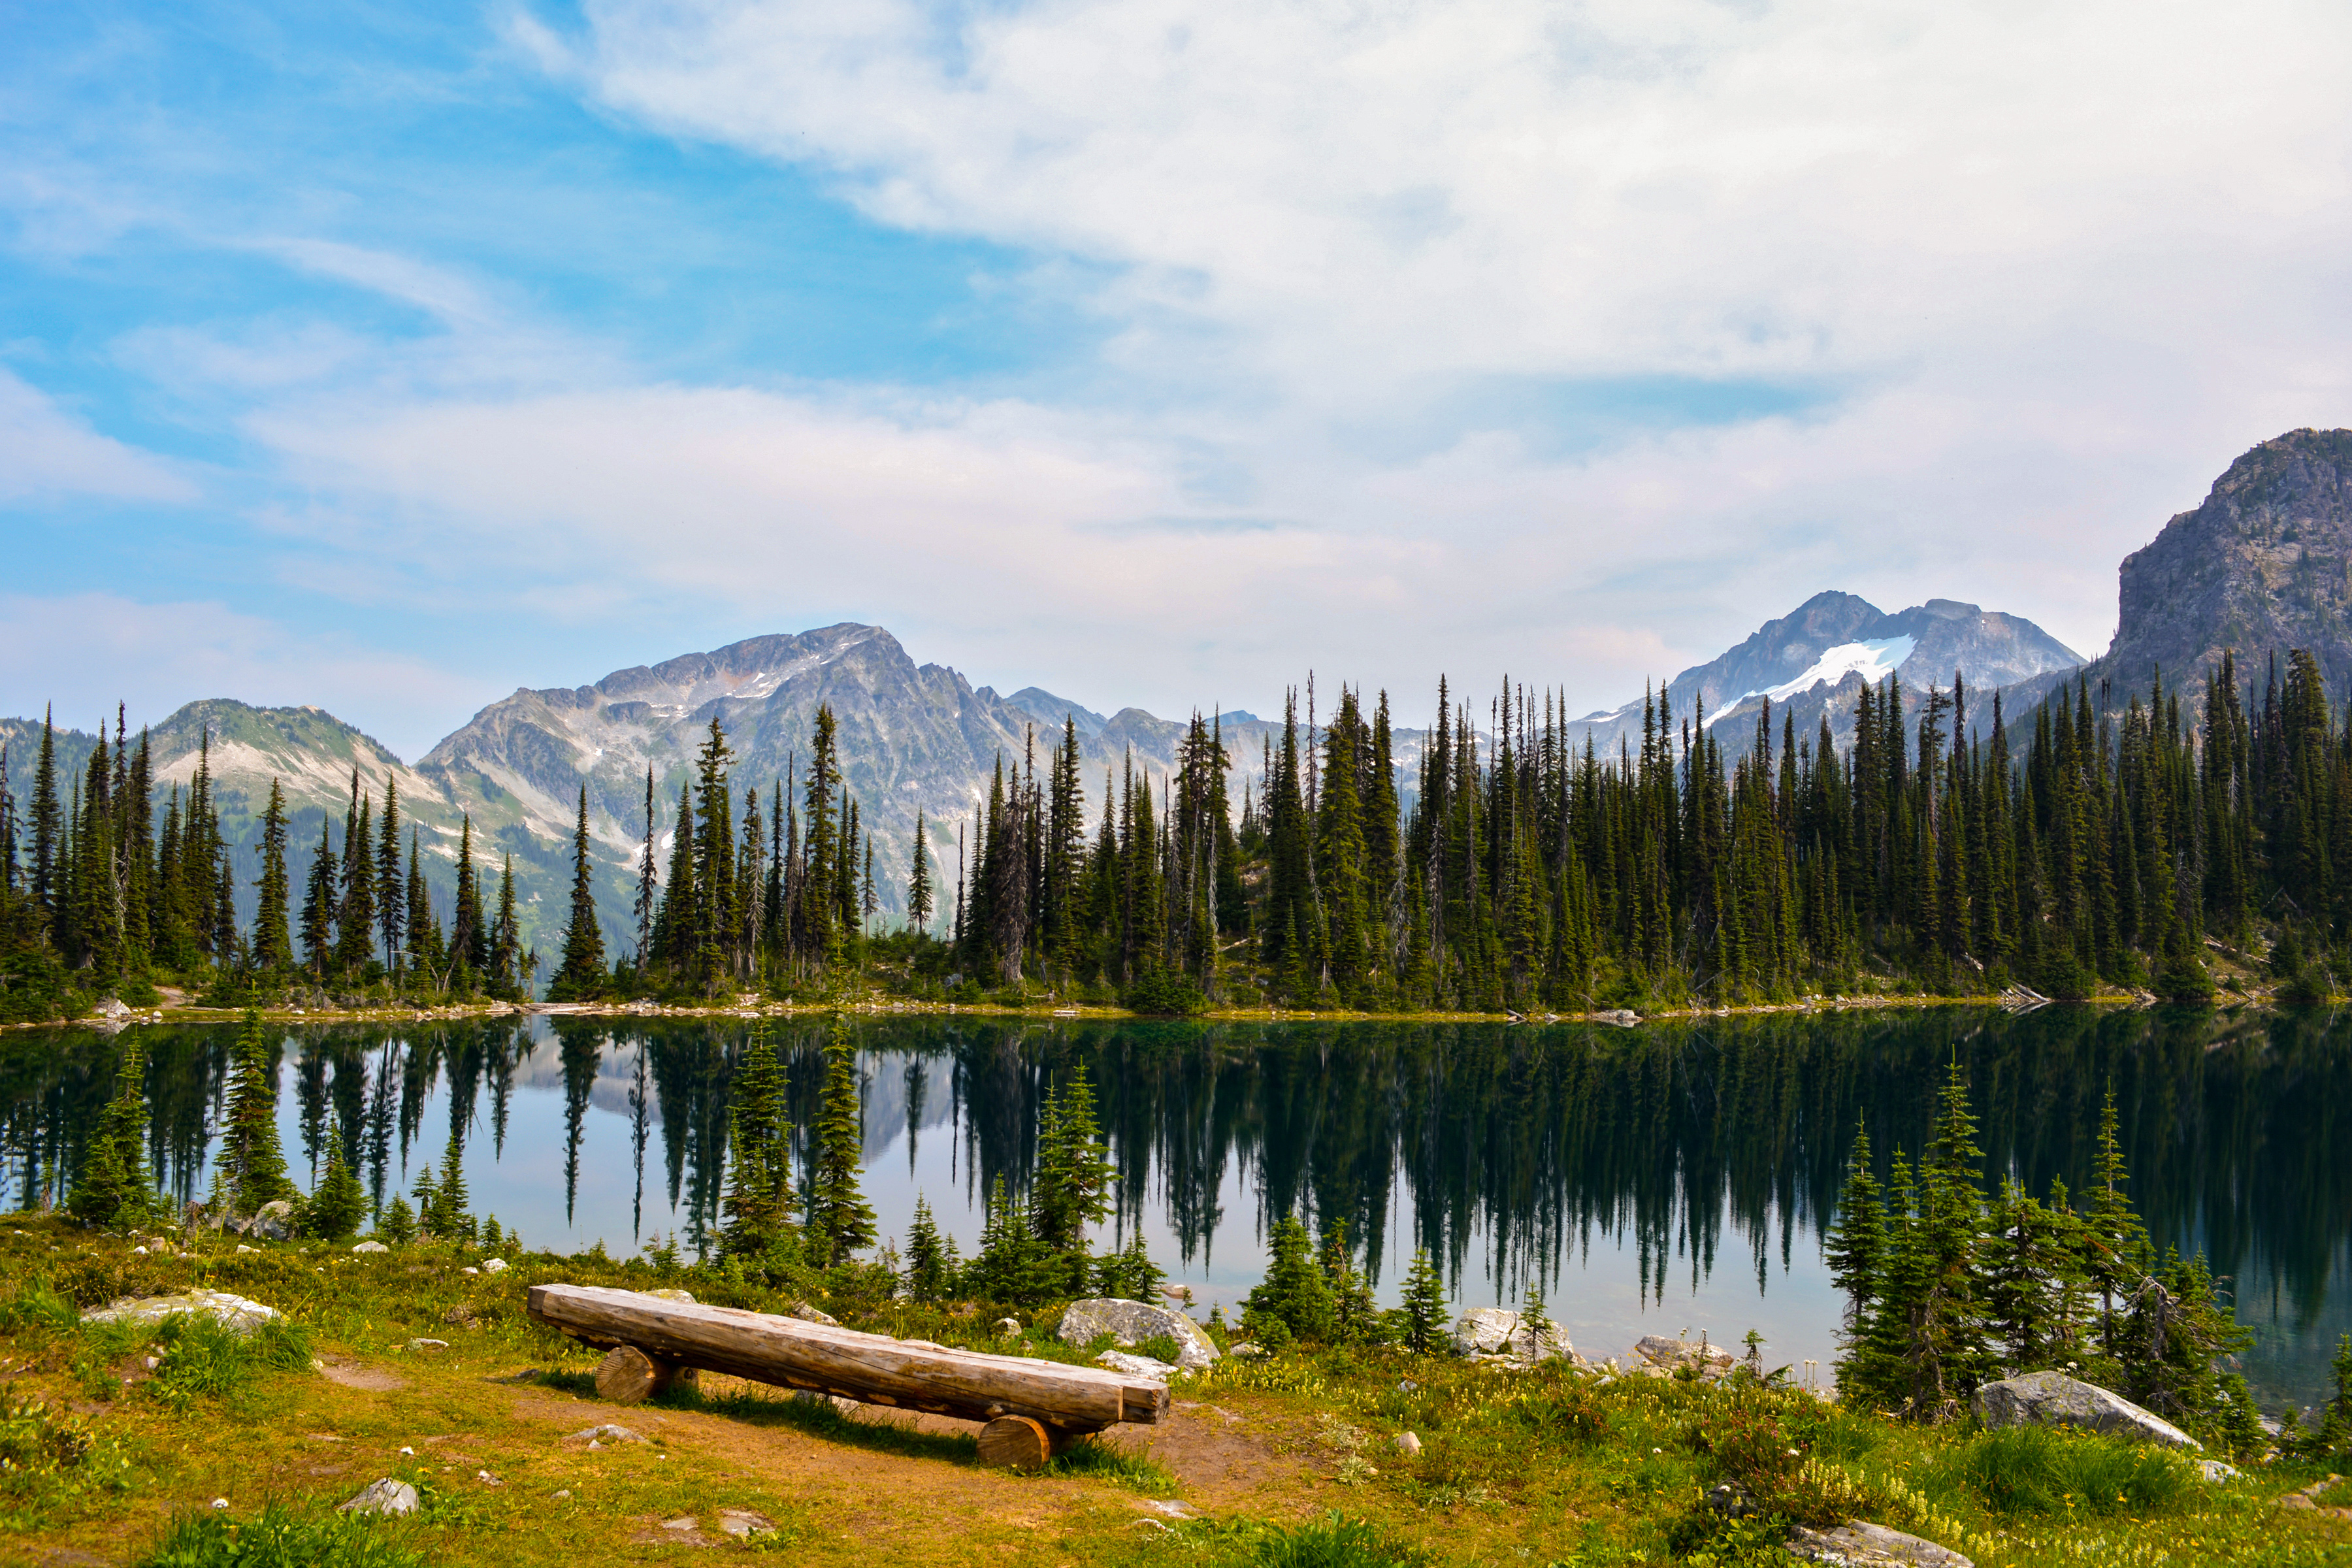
(1873, 660)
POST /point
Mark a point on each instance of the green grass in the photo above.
(1335, 1542)
(2031, 1471)
(279, 1537)
(1094, 1458)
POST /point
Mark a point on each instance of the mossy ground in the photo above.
(1517, 1467)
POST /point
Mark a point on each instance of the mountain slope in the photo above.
(1820, 654)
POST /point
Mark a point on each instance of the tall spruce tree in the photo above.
(581, 972)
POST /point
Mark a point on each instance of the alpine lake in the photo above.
(1658, 1179)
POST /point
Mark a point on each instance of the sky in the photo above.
(1155, 351)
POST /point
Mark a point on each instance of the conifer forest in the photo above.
(2098, 841)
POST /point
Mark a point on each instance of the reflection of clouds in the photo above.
(886, 1097)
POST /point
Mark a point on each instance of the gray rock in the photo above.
(685, 1296)
(494, 1265)
(2054, 1399)
(808, 1315)
(1671, 1355)
(1623, 1017)
(1490, 1330)
(742, 1523)
(386, 1497)
(1408, 1444)
(1863, 1545)
(840, 1401)
(1136, 1366)
(428, 1346)
(237, 1312)
(610, 1432)
(1132, 1322)
(2215, 1471)
(1008, 1327)
(273, 1221)
(371, 1247)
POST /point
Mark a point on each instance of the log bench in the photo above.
(1031, 1409)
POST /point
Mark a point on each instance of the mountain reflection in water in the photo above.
(1653, 1179)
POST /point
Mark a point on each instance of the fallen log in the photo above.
(874, 1369)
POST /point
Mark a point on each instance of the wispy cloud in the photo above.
(47, 452)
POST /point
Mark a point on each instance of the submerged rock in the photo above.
(2054, 1399)
(1132, 1322)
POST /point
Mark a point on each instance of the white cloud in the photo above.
(2047, 268)
(158, 656)
(47, 452)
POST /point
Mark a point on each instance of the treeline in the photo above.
(99, 891)
(1948, 848)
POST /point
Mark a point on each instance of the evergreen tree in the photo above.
(1075, 1176)
(339, 1206)
(46, 823)
(646, 885)
(253, 1166)
(273, 944)
(840, 1219)
(1854, 1245)
(581, 972)
(110, 1191)
(919, 894)
(931, 1257)
(1421, 1309)
(391, 901)
(1294, 1299)
(759, 1137)
(319, 906)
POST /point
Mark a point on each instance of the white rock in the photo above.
(1132, 1322)
(1408, 1444)
(742, 1523)
(137, 1252)
(494, 1265)
(1136, 1366)
(685, 1296)
(2215, 1471)
(469, 1269)
(1008, 1327)
(1863, 1545)
(430, 1346)
(808, 1315)
(2054, 1399)
(220, 1502)
(612, 1430)
(242, 1248)
(371, 1247)
(1490, 1330)
(235, 1311)
(385, 1497)
(273, 1221)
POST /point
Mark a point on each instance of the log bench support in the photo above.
(1032, 1408)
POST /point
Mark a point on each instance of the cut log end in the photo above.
(1015, 1443)
(627, 1375)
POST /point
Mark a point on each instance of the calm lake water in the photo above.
(1656, 1179)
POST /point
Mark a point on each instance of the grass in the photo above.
(279, 1537)
(2032, 1471)
(1544, 1468)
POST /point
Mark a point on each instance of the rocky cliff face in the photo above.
(2264, 565)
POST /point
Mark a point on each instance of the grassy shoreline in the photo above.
(1547, 1467)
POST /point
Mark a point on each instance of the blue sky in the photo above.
(387, 358)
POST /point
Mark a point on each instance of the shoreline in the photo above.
(877, 1006)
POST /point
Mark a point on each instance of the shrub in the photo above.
(2037, 1470)
(202, 1357)
(1166, 994)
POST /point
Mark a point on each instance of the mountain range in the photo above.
(2264, 564)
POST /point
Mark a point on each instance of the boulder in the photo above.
(371, 1247)
(234, 1311)
(273, 1221)
(2215, 1471)
(1132, 1322)
(1862, 1545)
(1671, 1355)
(1490, 1330)
(387, 1497)
(494, 1265)
(2054, 1399)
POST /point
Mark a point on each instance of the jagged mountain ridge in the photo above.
(2261, 567)
(1815, 658)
